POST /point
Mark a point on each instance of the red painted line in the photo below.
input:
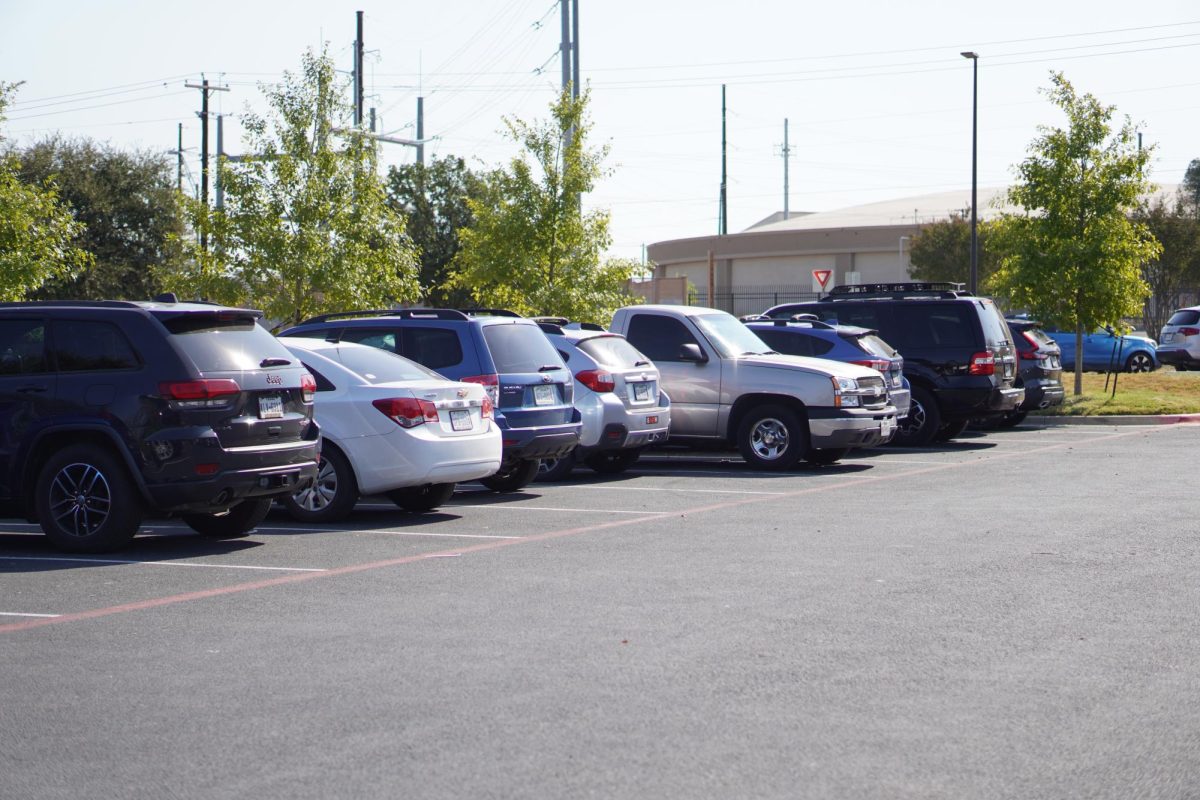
(650, 517)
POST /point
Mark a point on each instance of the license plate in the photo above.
(460, 419)
(641, 392)
(887, 426)
(1168, 337)
(270, 407)
(544, 396)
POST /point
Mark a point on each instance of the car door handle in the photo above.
(32, 388)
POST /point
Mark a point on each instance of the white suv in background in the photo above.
(1179, 341)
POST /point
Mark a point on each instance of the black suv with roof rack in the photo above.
(530, 386)
(112, 409)
(958, 352)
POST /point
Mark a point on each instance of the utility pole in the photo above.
(787, 153)
(575, 80)
(358, 72)
(420, 130)
(220, 158)
(179, 161)
(205, 90)
(565, 46)
(723, 211)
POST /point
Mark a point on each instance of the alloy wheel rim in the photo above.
(1140, 362)
(769, 439)
(80, 499)
(318, 496)
(915, 419)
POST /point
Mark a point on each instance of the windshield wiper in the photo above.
(548, 367)
(642, 363)
(274, 362)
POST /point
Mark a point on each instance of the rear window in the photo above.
(221, 345)
(520, 348)
(379, 366)
(876, 346)
(1185, 316)
(995, 327)
(613, 351)
(1037, 334)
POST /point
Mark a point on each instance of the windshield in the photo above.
(730, 337)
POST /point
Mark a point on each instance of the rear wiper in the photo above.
(548, 367)
(642, 363)
(274, 362)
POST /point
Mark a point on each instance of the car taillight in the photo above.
(1188, 331)
(487, 410)
(210, 393)
(308, 387)
(407, 412)
(874, 363)
(983, 364)
(597, 380)
(490, 383)
(1031, 354)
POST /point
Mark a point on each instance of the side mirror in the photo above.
(693, 353)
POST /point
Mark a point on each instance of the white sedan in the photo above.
(390, 426)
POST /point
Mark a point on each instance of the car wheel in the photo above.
(949, 430)
(233, 523)
(85, 500)
(922, 423)
(1012, 419)
(612, 461)
(513, 475)
(419, 499)
(556, 469)
(1139, 362)
(331, 496)
(772, 437)
(826, 456)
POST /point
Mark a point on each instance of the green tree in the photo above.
(1191, 183)
(1074, 257)
(1175, 225)
(941, 251)
(37, 231)
(126, 202)
(305, 228)
(532, 248)
(433, 201)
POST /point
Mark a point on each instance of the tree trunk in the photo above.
(1078, 359)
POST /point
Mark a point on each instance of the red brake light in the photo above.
(491, 385)
(308, 387)
(1189, 331)
(874, 363)
(598, 380)
(213, 393)
(407, 412)
(983, 364)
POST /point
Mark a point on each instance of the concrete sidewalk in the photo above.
(1119, 419)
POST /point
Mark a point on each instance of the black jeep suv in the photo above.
(958, 352)
(112, 409)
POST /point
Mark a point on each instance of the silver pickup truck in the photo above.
(727, 386)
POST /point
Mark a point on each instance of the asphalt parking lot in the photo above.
(1009, 615)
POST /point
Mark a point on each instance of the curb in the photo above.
(1128, 419)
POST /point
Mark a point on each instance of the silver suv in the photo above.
(617, 394)
(1179, 341)
(726, 385)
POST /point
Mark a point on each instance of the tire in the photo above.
(513, 476)
(85, 500)
(612, 462)
(419, 499)
(556, 469)
(1012, 419)
(826, 456)
(234, 523)
(923, 422)
(772, 437)
(950, 430)
(331, 496)
(1139, 362)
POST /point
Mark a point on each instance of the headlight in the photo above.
(845, 385)
(845, 393)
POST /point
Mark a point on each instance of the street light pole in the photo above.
(974, 170)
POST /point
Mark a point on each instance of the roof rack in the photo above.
(402, 313)
(942, 289)
(489, 312)
(560, 321)
(587, 326)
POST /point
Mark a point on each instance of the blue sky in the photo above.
(877, 96)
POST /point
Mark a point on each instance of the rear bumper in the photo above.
(1042, 394)
(1177, 357)
(549, 442)
(608, 424)
(960, 403)
(850, 427)
(902, 400)
(416, 457)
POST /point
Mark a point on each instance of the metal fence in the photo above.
(751, 299)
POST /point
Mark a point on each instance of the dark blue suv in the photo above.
(531, 387)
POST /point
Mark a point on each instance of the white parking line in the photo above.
(442, 535)
(154, 563)
(17, 614)
(552, 508)
(622, 488)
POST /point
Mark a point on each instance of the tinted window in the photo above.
(222, 344)
(861, 315)
(730, 337)
(383, 338)
(433, 347)
(875, 346)
(789, 344)
(932, 325)
(659, 337)
(520, 348)
(22, 346)
(323, 383)
(1184, 317)
(90, 346)
(995, 328)
(612, 351)
(380, 366)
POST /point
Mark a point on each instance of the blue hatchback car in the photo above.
(1103, 349)
(530, 386)
(805, 335)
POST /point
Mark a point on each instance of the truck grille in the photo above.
(874, 392)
